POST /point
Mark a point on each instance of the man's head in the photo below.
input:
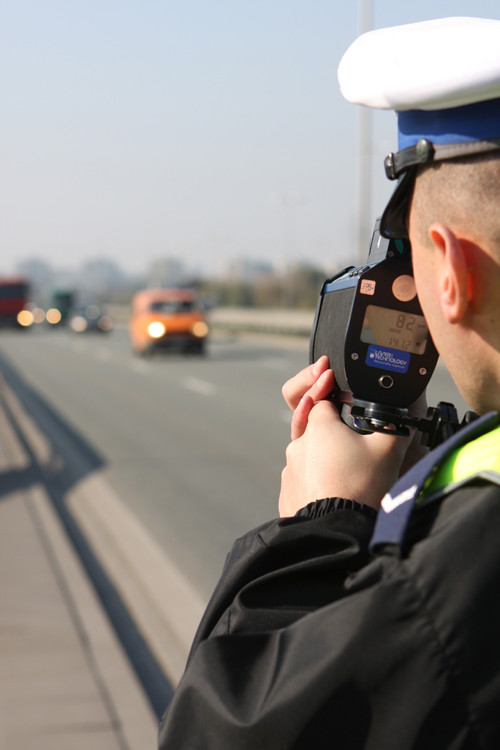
(464, 193)
(443, 79)
(454, 229)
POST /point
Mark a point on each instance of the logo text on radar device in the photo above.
(387, 359)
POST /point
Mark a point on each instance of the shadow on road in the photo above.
(71, 458)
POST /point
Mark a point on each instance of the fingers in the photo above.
(301, 415)
(324, 415)
(319, 391)
(323, 387)
(296, 387)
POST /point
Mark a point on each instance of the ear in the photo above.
(453, 274)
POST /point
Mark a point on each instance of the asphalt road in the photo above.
(193, 445)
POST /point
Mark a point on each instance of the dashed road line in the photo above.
(197, 385)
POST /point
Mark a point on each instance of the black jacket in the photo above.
(308, 643)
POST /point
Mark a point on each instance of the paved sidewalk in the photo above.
(65, 682)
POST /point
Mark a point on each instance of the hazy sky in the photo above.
(198, 129)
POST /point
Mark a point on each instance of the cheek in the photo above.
(428, 299)
(423, 285)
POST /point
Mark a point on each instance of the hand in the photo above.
(328, 459)
(317, 381)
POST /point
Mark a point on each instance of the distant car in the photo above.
(60, 308)
(167, 319)
(14, 307)
(90, 318)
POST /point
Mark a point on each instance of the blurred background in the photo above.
(194, 140)
(189, 144)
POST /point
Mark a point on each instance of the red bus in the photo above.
(14, 291)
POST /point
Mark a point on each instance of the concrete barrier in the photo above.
(245, 319)
(261, 320)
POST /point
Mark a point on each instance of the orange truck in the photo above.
(167, 319)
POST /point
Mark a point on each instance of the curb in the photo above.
(162, 604)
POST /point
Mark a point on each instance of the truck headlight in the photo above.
(199, 329)
(156, 329)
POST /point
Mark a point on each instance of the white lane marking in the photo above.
(198, 386)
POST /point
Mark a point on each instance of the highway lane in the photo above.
(194, 446)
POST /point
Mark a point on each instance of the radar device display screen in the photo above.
(396, 329)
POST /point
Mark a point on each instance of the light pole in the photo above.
(364, 219)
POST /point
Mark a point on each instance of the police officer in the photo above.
(368, 615)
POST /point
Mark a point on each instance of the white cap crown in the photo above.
(437, 64)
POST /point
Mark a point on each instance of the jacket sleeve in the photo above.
(273, 577)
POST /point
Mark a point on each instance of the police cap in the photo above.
(442, 78)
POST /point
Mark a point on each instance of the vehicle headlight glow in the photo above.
(25, 318)
(199, 329)
(53, 316)
(78, 324)
(38, 315)
(105, 323)
(156, 329)
(92, 312)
